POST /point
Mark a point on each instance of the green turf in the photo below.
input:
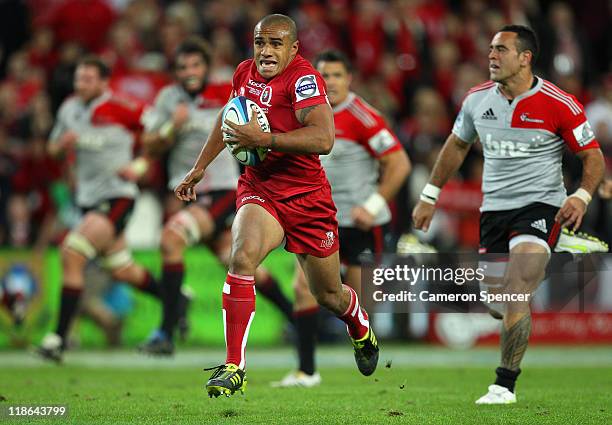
(547, 395)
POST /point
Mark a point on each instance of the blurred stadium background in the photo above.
(414, 61)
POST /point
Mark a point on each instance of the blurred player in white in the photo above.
(97, 126)
(524, 123)
(181, 119)
(366, 168)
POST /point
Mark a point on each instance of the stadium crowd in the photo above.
(414, 61)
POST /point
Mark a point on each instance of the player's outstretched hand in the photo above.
(571, 213)
(185, 190)
(180, 115)
(249, 135)
(605, 189)
(362, 218)
(422, 215)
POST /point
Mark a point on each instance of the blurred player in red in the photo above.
(285, 200)
(99, 127)
(182, 117)
(366, 168)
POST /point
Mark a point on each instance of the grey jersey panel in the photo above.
(101, 151)
(223, 172)
(521, 166)
(353, 175)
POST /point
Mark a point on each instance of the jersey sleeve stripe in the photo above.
(362, 116)
(560, 99)
(483, 86)
(556, 90)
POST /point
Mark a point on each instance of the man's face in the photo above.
(273, 49)
(191, 71)
(337, 79)
(505, 61)
(88, 84)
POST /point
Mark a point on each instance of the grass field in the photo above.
(422, 386)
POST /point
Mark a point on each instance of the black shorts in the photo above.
(118, 211)
(498, 227)
(221, 205)
(355, 242)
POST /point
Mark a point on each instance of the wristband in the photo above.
(583, 195)
(430, 194)
(166, 130)
(140, 166)
(374, 204)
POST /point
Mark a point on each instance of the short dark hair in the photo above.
(92, 60)
(527, 39)
(278, 19)
(334, 56)
(195, 45)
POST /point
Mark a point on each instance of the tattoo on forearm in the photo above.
(304, 113)
(514, 342)
(273, 143)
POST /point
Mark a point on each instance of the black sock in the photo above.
(172, 279)
(150, 286)
(506, 377)
(271, 290)
(68, 306)
(306, 324)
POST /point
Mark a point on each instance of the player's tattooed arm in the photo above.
(514, 342)
(303, 113)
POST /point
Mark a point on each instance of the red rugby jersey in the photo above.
(283, 175)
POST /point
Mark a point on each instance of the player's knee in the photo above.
(171, 241)
(243, 259)
(182, 230)
(76, 246)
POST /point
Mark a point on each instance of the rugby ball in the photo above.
(240, 110)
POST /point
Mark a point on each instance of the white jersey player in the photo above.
(97, 127)
(523, 123)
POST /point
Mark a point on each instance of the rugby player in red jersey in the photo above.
(284, 200)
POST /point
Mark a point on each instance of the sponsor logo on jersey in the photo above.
(256, 84)
(381, 141)
(266, 96)
(306, 87)
(252, 197)
(489, 115)
(505, 147)
(540, 225)
(584, 134)
(525, 118)
(328, 242)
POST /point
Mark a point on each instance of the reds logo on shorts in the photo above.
(329, 241)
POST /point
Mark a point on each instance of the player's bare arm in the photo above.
(575, 206)
(394, 168)
(449, 160)
(317, 135)
(211, 149)
(66, 141)
(157, 142)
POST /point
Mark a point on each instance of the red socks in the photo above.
(355, 317)
(238, 313)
